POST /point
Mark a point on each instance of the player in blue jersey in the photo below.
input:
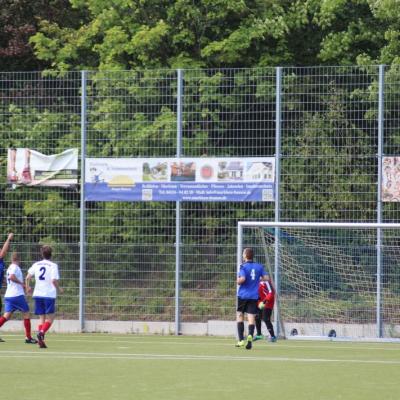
(3, 253)
(248, 279)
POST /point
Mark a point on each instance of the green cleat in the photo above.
(240, 343)
(272, 339)
(258, 337)
(249, 342)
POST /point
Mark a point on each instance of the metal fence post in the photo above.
(239, 250)
(379, 203)
(82, 247)
(278, 117)
(178, 205)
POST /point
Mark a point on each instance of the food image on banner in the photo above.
(182, 171)
(27, 167)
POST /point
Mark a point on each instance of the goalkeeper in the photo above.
(265, 304)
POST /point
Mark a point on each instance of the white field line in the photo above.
(204, 342)
(188, 357)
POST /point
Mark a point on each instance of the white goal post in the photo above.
(333, 280)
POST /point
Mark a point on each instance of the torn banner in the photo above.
(27, 167)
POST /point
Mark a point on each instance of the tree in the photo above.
(19, 21)
(128, 34)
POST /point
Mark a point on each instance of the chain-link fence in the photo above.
(42, 113)
(330, 121)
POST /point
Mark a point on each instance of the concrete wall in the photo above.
(211, 328)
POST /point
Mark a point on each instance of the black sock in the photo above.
(258, 326)
(268, 323)
(270, 328)
(240, 329)
(271, 332)
(251, 330)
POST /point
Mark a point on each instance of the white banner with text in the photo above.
(180, 179)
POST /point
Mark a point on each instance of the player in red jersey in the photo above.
(265, 304)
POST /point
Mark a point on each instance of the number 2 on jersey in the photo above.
(43, 271)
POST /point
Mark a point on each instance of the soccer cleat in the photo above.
(240, 343)
(272, 339)
(258, 337)
(40, 340)
(2, 340)
(249, 342)
(30, 341)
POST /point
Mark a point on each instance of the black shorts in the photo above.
(248, 306)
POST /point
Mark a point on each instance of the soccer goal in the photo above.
(333, 280)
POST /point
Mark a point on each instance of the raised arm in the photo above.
(6, 245)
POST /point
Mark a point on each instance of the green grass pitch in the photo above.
(105, 366)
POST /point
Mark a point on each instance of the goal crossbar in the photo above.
(349, 225)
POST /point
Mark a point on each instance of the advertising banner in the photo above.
(391, 179)
(180, 179)
(27, 167)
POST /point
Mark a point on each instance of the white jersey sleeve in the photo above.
(54, 273)
(31, 270)
(12, 269)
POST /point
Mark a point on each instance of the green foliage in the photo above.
(182, 33)
(128, 34)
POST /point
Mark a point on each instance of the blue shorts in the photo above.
(44, 305)
(18, 303)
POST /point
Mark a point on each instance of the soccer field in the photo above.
(101, 366)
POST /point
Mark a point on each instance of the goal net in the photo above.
(333, 279)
